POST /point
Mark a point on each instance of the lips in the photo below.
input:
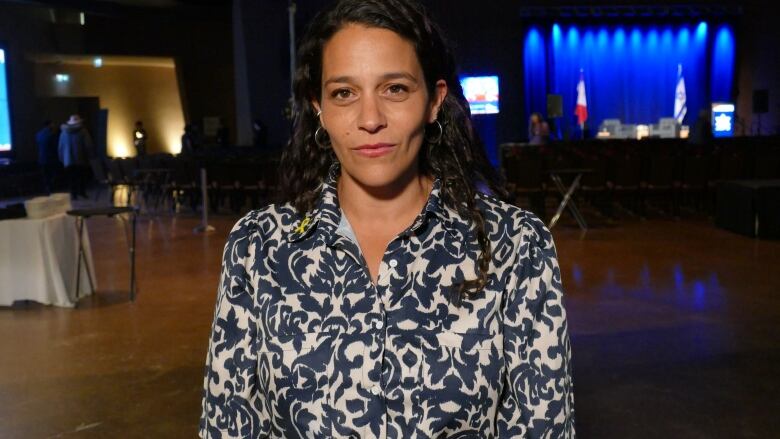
(374, 150)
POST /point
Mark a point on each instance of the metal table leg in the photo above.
(130, 239)
(567, 202)
(132, 260)
(82, 256)
(572, 206)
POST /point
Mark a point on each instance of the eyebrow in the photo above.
(385, 77)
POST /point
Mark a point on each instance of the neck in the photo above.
(400, 201)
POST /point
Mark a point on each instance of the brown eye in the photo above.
(342, 93)
(397, 89)
(397, 92)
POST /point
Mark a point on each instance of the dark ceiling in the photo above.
(127, 8)
(114, 6)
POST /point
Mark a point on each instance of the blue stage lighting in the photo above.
(723, 64)
(630, 70)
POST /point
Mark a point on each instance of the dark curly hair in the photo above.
(458, 160)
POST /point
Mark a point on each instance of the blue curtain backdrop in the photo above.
(630, 71)
(723, 65)
(535, 74)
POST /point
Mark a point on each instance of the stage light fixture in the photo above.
(631, 11)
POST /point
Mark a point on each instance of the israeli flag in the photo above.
(679, 97)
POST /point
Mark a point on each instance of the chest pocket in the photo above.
(296, 348)
(295, 362)
(463, 368)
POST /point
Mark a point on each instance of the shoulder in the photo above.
(507, 222)
(497, 211)
(265, 224)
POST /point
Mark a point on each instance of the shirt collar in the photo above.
(326, 215)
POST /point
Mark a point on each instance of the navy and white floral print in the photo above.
(304, 345)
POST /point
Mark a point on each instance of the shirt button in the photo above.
(379, 324)
(393, 263)
(376, 390)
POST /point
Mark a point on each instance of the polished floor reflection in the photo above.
(675, 331)
(674, 327)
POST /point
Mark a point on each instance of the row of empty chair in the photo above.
(631, 173)
(666, 173)
(175, 181)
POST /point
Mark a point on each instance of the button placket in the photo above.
(372, 365)
(381, 291)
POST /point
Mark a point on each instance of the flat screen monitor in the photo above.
(5, 109)
(482, 93)
(722, 119)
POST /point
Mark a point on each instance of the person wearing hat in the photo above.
(75, 150)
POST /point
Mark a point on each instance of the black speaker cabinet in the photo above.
(554, 106)
(760, 101)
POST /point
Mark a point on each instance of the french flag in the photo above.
(581, 110)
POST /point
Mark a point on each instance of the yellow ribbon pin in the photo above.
(302, 226)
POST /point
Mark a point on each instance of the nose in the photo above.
(371, 118)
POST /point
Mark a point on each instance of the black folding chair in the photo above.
(524, 175)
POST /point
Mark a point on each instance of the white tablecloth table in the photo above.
(38, 260)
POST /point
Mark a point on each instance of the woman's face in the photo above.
(375, 104)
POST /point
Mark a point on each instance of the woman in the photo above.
(538, 130)
(386, 296)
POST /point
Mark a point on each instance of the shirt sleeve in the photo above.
(230, 405)
(539, 400)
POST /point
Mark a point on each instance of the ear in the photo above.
(439, 93)
(316, 105)
(317, 110)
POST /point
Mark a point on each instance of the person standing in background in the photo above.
(223, 135)
(702, 129)
(538, 130)
(46, 139)
(139, 139)
(187, 140)
(75, 150)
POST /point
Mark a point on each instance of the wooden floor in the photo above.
(674, 327)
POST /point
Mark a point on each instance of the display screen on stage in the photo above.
(5, 119)
(482, 93)
(722, 119)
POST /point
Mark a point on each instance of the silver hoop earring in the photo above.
(435, 140)
(322, 144)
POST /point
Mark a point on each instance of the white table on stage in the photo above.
(38, 260)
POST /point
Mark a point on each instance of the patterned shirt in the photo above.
(305, 345)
